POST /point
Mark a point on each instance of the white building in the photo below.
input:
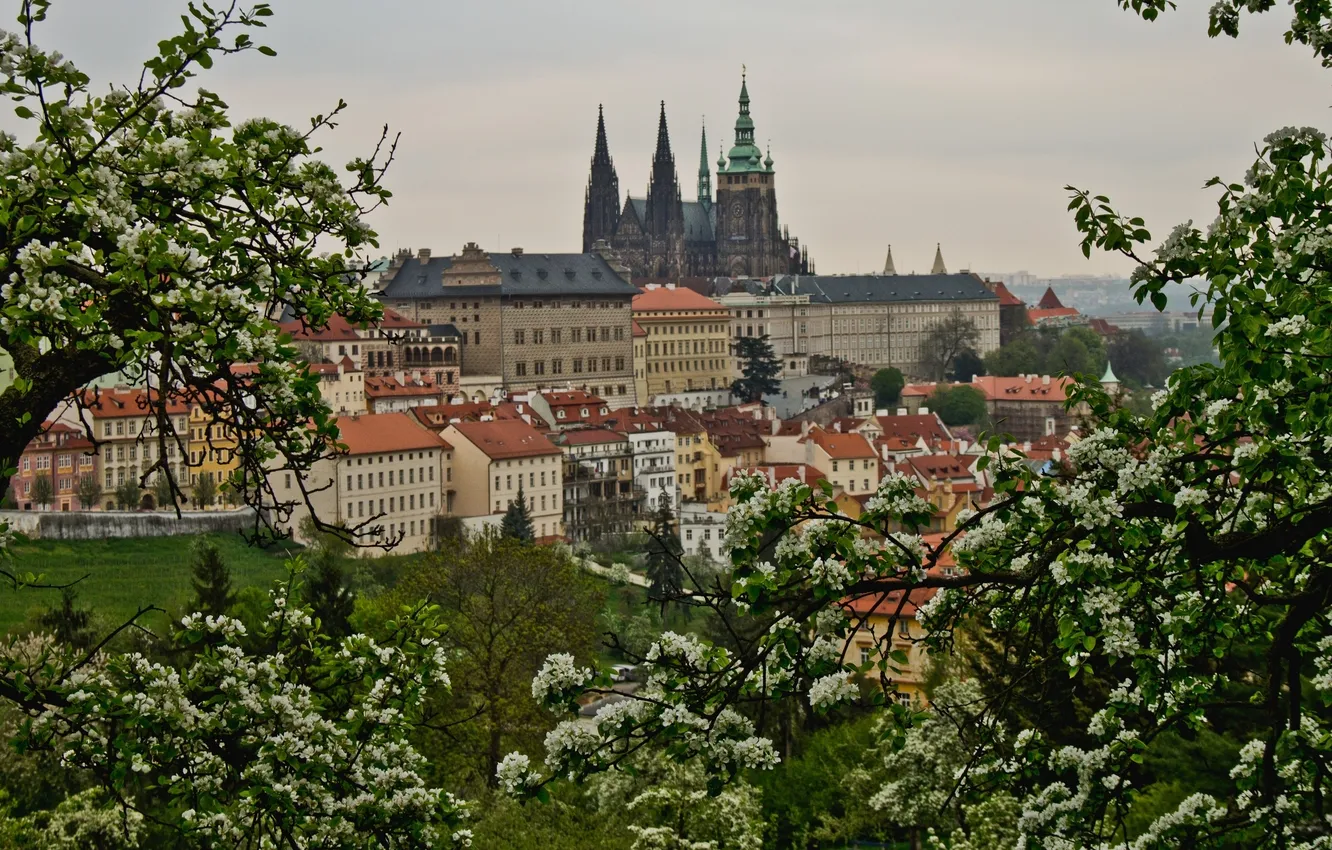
(702, 530)
(654, 468)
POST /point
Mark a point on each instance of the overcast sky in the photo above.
(891, 121)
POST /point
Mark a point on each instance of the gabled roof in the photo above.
(926, 426)
(590, 436)
(378, 433)
(944, 467)
(504, 439)
(121, 402)
(838, 446)
(391, 387)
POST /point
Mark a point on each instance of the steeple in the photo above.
(888, 267)
(704, 173)
(601, 153)
(939, 267)
(601, 204)
(745, 156)
(663, 154)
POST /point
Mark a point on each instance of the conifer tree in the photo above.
(212, 579)
(517, 522)
(759, 368)
(69, 624)
(664, 569)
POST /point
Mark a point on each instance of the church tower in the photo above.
(601, 206)
(664, 210)
(704, 173)
(749, 238)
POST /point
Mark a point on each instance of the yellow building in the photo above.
(698, 465)
(212, 447)
(685, 343)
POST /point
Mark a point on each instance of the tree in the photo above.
(1166, 552)
(1019, 357)
(507, 606)
(959, 405)
(204, 492)
(328, 594)
(967, 365)
(1138, 360)
(164, 491)
(156, 204)
(887, 385)
(70, 624)
(42, 491)
(89, 491)
(211, 579)
(759, 368)
(664, 568)
(128, 495)
(517, 521)
(945, 341)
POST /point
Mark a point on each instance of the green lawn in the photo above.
(124, 574)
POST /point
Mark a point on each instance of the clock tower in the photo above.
(749, 239)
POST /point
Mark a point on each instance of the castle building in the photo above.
(734, 233)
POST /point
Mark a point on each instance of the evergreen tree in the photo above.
(69, 624)
(759, 369)
(887, 385)
(664, 569)
(212, 579)
(517, 522)
(328, 595)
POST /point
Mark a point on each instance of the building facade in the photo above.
(601, 495)
(125, 429)
(500, 458)
(685, 343)
(654, 468)
(62, 455)
(525, 321)
(733, 232)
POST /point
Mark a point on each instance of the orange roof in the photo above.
(506, 438)
(339, 329)
(378, 433)
(1035, 317)
(841, 445)
(1006, 298)
(663, 299)
(942, 466)
(394, 319)
(637, 329)
(1029, 388)
(910, 428)
(125, 402)
(390, 387)
(591, 436)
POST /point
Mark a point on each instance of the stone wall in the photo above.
(96, 525)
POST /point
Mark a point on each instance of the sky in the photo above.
(895, 122)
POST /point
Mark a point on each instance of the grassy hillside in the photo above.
(124, 574)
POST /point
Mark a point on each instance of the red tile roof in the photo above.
(841, 445)
(637, 329)
(912, 427)
(947, 467)
(1006, 298)
(664, 299)
(378, 433)
(1049, 301)
(120, 402)
(507, 438)
(591, 436)
(391, 387)
(1035, 317)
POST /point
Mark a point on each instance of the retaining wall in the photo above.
(96, 525)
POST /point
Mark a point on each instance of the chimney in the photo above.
(804, 428)
(517, 252)
(1046, 380)
(423, 255)
(1028, 377)
(837, 426)
(924, 411)
(670, 286)
(901, 411)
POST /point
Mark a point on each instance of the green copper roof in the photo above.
(745, 156)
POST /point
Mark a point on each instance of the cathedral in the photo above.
(734, 234)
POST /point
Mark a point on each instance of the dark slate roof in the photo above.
(849, 289)
(528, 274)
(444, 331)
(700, 224)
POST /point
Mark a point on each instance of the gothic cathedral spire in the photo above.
(601, 206)
(704, 172)
(939, 267)
(665, 208)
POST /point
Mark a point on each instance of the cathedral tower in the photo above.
(704, 173)
(664, 211)
(749, 238)
(601, 206)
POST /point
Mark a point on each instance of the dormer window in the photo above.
(583, 412)
(559, 414)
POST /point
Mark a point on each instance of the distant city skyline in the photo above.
(952, 122)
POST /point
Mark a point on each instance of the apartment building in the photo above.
(685, 344)
(499, 458)
(62, 455)
(1027, 407)
(341, 385)
(601, 496)
(213, 455)
(848, 461)
(391, 481)
(402, 392)
(653, 451)
(525, 321)
(123, 422)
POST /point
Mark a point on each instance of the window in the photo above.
(497, 482)
(689, 534)
(106, 429)
(576, 334)
(538, 336)
(619, 364)
(834, 466)
(554, 336)
(411, 501)
(605, 364)
(864, 654)
(619, 333)
(518, 337)
(520, 368)
(591, 334)
(577, 365)
(557, 366)
(865, 484)
(904, 627)
(539, 367)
